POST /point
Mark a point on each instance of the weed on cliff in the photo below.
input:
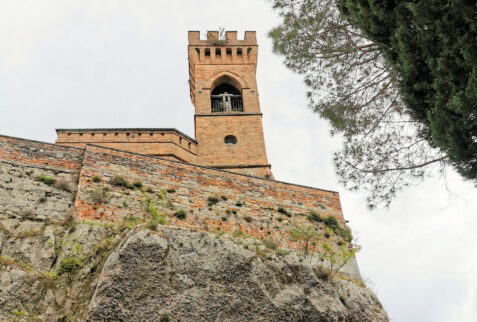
(96, 179)
(212, 200)
(99, 195)
(127, 223)
(284, 211)
(64, 185)
(270, 243)
(46, 180)
(180, 214)
(30, 233)
(8, 261)
(118, 181)
(152, 224)
(247, 218)
(313, 216)
(171, 190)
(137, 184)
(42, 200)
(70, 264)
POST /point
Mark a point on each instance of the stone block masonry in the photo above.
(213, 200)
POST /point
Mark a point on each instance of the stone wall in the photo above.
(241, 204)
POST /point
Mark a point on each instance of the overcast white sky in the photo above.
(124, 64)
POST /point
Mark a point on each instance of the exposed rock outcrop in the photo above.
(181, 275)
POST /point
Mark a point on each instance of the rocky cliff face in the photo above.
(172, 274)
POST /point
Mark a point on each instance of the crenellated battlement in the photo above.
(250, 39)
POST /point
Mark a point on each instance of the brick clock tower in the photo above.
(223, 89)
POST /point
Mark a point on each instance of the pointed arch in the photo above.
(226, 77)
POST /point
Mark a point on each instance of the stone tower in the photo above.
(223, 89)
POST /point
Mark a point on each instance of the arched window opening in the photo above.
(230, 140)
(226, 98)
(218, 52)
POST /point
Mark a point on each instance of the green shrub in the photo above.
(153, 211)
(212, 200)
(149, 189)
(313, 216)
(306, 291)
(238, 204)
(180, 214)
(96, 179)
(137, 184)
(46, 180)
(228, 211)
(332, 222)
(42, 200)
(99, 195)
(118, 181)
(224, 218)
(345, 232)
(280, 219)
(247, 218)
(162, 220)
(234, 211)
(125, 204)
(224, 198)
(171, 190)
(70, 264)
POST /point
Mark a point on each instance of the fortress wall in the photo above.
(40, 154)
(257, 216)
(21, 196)
(246, 204)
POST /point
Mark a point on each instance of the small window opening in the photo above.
(197, 51)
(92, 134)
(226, 98)
(180, 140)
(207, 52)
(249, 50)
(127, 134)
(189, 145)
(218, 52)
(81, 134)
(104, 134)
(115, 134)
(162, 134)
(139, 134)
(69, 133)
(239, 51)
(151, 134)
(230, 140)
(228, 51)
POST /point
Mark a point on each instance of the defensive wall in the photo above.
(253, 206)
